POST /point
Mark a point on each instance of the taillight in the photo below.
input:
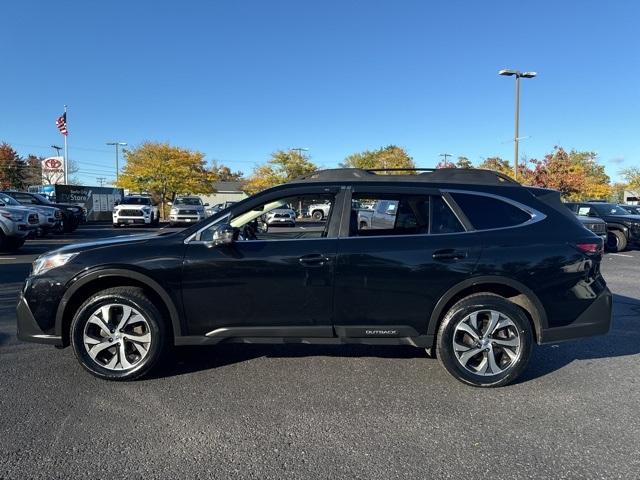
(591, 247)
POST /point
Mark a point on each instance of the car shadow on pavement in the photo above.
(622, 340)
(190, 359)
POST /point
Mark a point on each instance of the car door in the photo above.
(387, 284)
(280, 284)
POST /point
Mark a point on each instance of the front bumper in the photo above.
(28, 328)
(138, 220)
(185, 218)
(595, 320)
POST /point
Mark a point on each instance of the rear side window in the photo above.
(443, 219)
(487, 212)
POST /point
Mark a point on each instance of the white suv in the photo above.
(136, 209)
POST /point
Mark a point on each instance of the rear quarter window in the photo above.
(487, 212)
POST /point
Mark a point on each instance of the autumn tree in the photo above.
(497, 164)
(284, 166)
(13, 169)
(390, 156)
(165, 171)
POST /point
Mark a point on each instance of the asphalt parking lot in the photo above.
(237, 411)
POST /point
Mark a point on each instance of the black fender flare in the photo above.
(80, 281)
(618, 226)
(539, 315)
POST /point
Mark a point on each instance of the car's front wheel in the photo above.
(318, 215)
(616, 241)
(118, 334)
(485, 340)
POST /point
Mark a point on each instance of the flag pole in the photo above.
(66, 151)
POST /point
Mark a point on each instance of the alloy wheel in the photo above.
(117, 337)
(486, 342)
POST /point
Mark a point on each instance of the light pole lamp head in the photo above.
(507, 73)
(528, 74)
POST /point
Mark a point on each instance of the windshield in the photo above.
(136, 201)
(610, 209)
(43, 198)
(188, 201)
(7, 200)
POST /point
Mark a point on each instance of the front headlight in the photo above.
(146, 209)
(12, 216)
(47, 262)
(173, 211)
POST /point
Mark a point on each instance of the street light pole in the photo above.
(516, 139)
(117, 144)
(57, 149)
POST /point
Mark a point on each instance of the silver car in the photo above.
(49, 218)
(16, 224)
(186, 210)
(280, 216)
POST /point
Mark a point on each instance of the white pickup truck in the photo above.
(381, 216)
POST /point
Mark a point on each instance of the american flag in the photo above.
(61, 123)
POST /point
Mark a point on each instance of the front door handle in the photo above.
(449, 254)
(313, 260)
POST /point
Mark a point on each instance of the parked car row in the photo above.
(622, 222)
(27, 214)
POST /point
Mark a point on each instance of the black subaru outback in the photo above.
(468, 264)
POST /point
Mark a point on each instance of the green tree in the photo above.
(390, 156)
(165, 171)
(631, 177)
(464, 162)
(284, 166)
(497, 164)
(222, 173)
(13, 169)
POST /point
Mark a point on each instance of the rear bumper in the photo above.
(28, 328)
(595, 320)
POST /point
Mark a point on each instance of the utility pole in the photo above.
(518, 74)
(57, 149)
(445, 155)
(117, 145)
(101, 180)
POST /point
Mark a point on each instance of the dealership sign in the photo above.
(53, 170)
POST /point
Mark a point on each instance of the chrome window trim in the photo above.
(536, 216)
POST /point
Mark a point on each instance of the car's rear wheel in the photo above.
(317, 215)
(485, 340)
(616, 241)
(118, 334)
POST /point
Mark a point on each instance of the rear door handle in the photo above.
(449, 254)
(314, 260)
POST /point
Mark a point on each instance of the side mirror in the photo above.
(116, 203)
(206, 204)
(169, 203)
(225, 234)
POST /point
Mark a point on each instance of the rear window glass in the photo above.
(487, 212)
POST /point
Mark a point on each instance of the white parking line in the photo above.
(621, 255)
(7, 258)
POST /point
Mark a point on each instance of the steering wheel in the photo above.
(249, 231)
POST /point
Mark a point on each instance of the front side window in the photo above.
(285, 218)
(24, 199)
(487, 212)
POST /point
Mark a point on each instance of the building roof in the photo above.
(227, 186)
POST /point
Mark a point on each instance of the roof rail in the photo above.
(443, 175)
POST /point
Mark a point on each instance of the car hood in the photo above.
(108, 242)
(18, 210)
(585, 219)
(623, 218)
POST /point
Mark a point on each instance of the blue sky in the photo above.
(240, 79)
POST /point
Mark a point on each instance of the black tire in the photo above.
(475, 303)
(116, 225)
(362, 226)
(317, 215)
(14, 244)
(616, 241)
(68, 226)
(133, 297)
